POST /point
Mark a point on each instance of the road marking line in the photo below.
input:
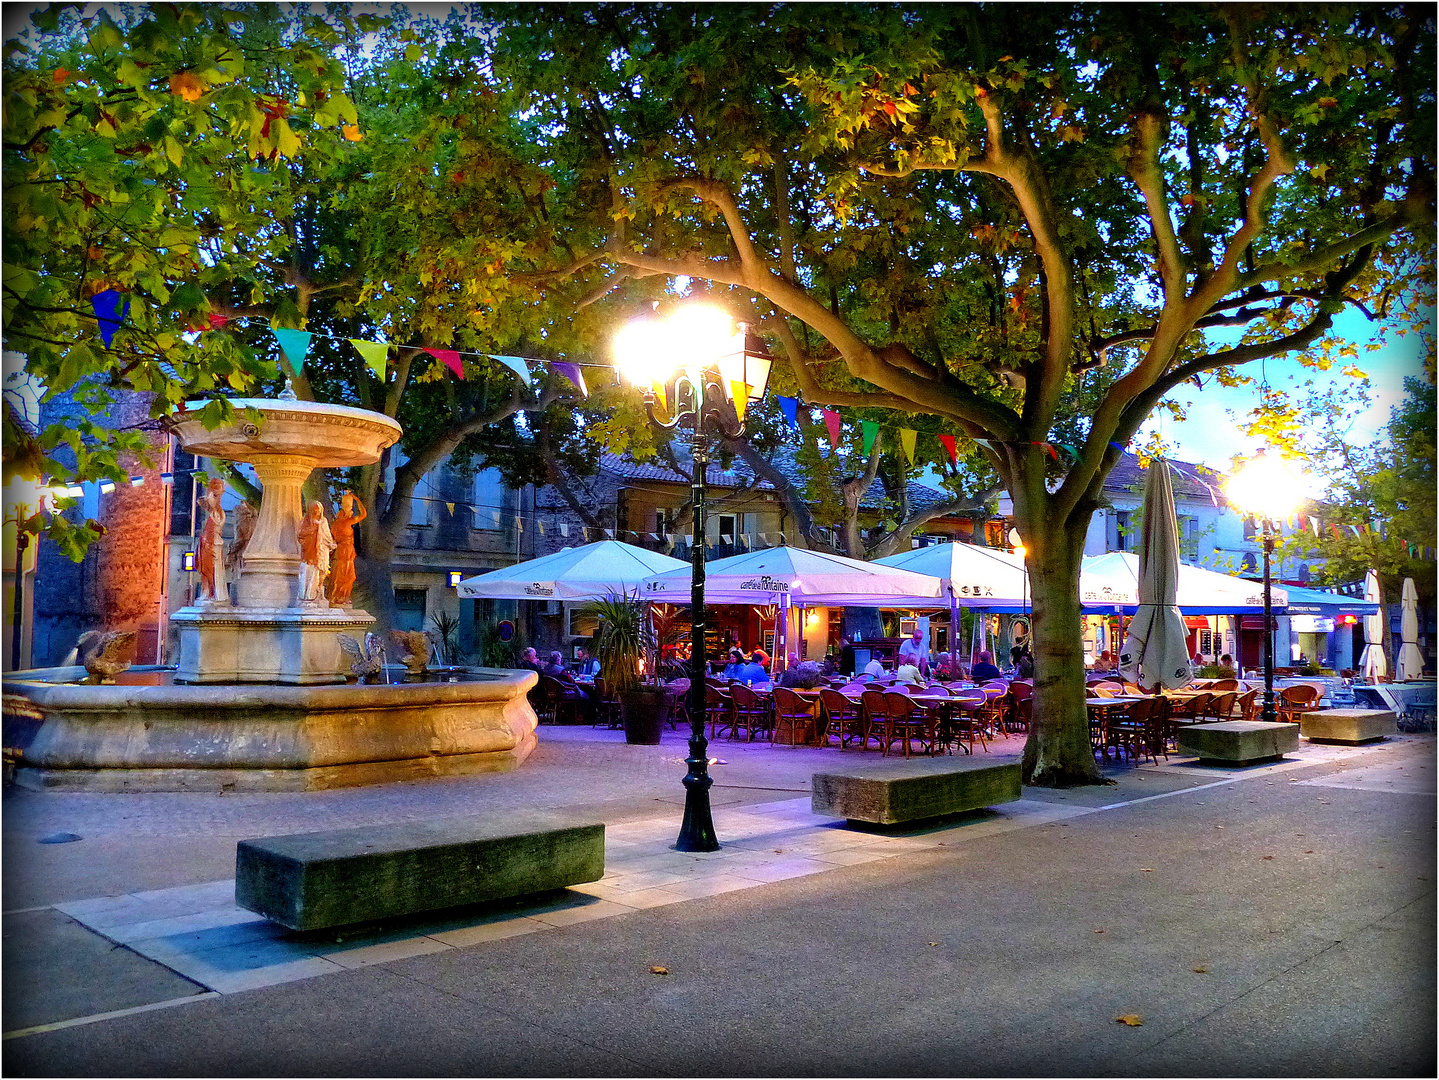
(60, 1025)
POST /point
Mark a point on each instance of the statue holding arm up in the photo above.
(352, 512)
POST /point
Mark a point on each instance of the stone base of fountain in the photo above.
(170, 737)
(289, 646)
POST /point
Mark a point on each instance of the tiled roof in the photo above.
(1194, 481)
(921, 497)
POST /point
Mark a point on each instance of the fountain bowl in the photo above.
(324, 436)
(149, 733)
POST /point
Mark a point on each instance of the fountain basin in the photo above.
(175, 737)
(323, 436)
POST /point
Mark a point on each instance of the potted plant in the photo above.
(624, 647)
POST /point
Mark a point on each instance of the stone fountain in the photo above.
(258, 700)
(269, 635)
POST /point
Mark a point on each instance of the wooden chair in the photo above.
(561, 702)
(1246, 707)
(841, 716)
(1223, 684)
(1221, 705)
(906, 721)
(1114, 688)
(1293, 700)
(1143, 731)
(966, 718)
(719, 711)
(752, 713)
(1130, 688)
(799, 713)
(876, 717)
(1191, 710)
(607, 706)
(1018, 708)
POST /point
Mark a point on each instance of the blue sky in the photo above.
(1210, 435)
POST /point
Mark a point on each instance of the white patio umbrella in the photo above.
(1373, 663)
(604, 568)
(784, 575)
(1155, 652)
(1411, 661)
(970, 576)
(1111, 582)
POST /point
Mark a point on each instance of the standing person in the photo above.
(352, 512)
(316, 547)
(913, 651)
(846, 655)
(210, 551)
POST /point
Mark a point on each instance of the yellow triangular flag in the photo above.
(451, 508)
(906, 440)
(740, 392)
(659, 389)
(375, 353)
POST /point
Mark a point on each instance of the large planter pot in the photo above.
(645, 710)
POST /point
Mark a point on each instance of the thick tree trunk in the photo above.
(1058, 752)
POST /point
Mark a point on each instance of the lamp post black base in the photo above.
(697, 831)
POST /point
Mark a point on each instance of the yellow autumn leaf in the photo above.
(1200, 970)
(186, 85)
(657, 970)
(1130, 1019)
(351, 132)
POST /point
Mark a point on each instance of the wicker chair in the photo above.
(719, 711)
(799, 713)
(906, 722)
(607, 706)
(752, 714)
(842, 717)
(876, 717)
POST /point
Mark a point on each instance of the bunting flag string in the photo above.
(947, 441)
(294, 344)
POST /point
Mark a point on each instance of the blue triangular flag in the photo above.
(573, 373)
(517, 365)
(789, 407)
(294, 344)
(109, 313)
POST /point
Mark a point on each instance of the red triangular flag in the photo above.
(831, 421)
(217, 321)
(947, 441)
(450, 358)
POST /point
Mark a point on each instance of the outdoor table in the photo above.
(1099, 710)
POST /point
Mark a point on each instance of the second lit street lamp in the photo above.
(701, 351)
(1267, 490)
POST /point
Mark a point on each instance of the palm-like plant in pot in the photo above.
(627, 650)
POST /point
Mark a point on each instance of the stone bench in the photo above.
(311, 881)
(912, 790)
(1347, 725)
(1238, 742)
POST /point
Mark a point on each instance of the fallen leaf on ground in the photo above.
(1267, 857)
(1146, 869)
(1130, 1019)
(1096, 931)
(1219, 826)
(1200, 970)
(659, 970)
(934, 943)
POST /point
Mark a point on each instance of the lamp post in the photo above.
(1266, 489)
(716, 379)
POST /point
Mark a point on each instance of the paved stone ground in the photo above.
(1000, 943)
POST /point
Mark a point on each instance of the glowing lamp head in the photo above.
(1265, 487)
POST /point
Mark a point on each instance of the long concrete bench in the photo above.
(1347, 725)
(311, 881)
(912, 790)
(1238, 742)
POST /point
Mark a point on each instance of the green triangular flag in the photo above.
(870, 430)
(375, 354)
(294, 344)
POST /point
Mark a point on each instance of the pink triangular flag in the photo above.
(831, 421)
(450, 358)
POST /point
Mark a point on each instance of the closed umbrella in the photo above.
(1373, 663)
(1411, 661)
(604, 568)
(1155, 651)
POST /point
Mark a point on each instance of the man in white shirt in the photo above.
(874, 667)
(913, 652)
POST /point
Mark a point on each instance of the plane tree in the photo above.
(959, 210)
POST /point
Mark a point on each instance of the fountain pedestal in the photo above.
(268, 636)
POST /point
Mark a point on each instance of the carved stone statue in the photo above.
(352, 512)
(245, 517)
(413, 647)
(316, 547)
(106, 653)
(210, 548)
(367, 661)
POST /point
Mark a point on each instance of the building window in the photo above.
(728, 524)
(419, 508)
(664, 521)
(492, 500)
(182, 495)
(1124, 529)
(1251, 530)
(410, 609)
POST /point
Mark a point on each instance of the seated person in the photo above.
(760, 657)
(1226, 667)
(984, 669)
(801, 675)
(1024, 665)
(735, 664)
(945, 668)
(908, 672)
(829, 666)
(874, 667)
(555, 668)
(531, 659)
(585, 698)
(752, 674)
(585, 664)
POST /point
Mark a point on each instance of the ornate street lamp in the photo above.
(1267, 490)
(715, 377)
